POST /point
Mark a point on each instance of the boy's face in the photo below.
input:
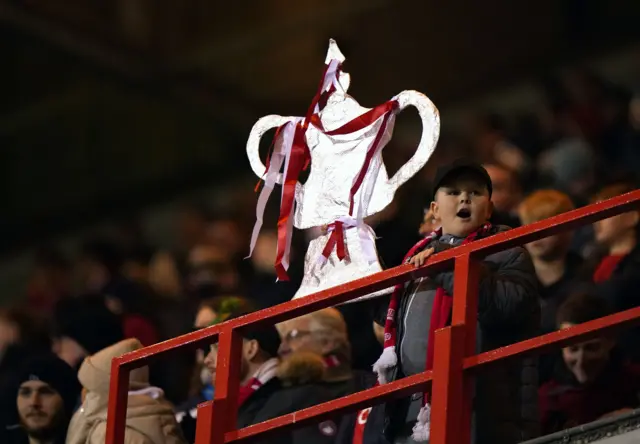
(587, 360)
(607, 231)
(462, 204)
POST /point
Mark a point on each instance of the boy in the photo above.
(556, 267)
(593, 380)
(508, 311)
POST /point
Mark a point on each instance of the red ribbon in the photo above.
(336, 239)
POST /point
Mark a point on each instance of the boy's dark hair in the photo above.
(582, 307)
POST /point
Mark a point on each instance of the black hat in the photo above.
(268, 339)
(458, 166)
(54, 371)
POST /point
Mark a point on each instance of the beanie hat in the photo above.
(95, 371)
(88, 322)
(56, 373)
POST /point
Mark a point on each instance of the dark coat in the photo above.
(505, 402)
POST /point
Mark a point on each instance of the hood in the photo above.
(95, 371)
(148, 413)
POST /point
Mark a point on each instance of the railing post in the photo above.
(447, 387)
(118, 398)
(220, 416)
(452, 390)
(465, 312)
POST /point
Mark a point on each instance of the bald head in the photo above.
(322, 332)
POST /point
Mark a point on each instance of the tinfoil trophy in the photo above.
(342, 143)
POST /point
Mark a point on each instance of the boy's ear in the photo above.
(490, 209)
(435, 209)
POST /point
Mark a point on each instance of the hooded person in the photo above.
(39, 402)
(150, 418)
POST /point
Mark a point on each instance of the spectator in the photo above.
(616, 275)
(100, 265)
(508, 311)
(82, 327)
(44, 394)
(210, 272)
(50, 280)
(133, 303)
(258, 378)
(150, 417)
(556, 267)
(212, 311)
(593, 380)
(263, 288)
(21, 336)
(316, 367)
(506, 196)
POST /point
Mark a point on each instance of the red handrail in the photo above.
(455, 345)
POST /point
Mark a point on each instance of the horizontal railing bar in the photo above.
(384, 279)
(347, 404)
(557, 339)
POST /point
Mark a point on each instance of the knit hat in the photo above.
(87, 321)
(54, 371)
(95, 371)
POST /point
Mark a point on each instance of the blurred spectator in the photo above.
(164, 276)
(429, 223)
(592, 380)
(150, 417)
(506, 195)
(191, 225)
(21, 336)
(133, 303)
(50, 280)
(211, 311)
(492, 145)
(43, 395)
(136, 264)
(258, 379)
(82, 327)
(100, 264)
(210, 272)
(557, 269)
(263, 288)
(616, 274)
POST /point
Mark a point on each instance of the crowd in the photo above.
(119, 293)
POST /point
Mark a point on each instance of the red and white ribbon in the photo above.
(337, 239)
(280, 156)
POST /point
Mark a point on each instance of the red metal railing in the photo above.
(454, 346)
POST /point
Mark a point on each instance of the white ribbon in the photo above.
(365, 233)
(281, 154)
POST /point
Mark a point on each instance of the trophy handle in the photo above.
(430, 132)
(253, 144)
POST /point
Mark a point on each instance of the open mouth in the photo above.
(464, 213)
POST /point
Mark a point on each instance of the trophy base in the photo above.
(320, 276)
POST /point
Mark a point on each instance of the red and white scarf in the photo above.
(264, 374)
(440, 314)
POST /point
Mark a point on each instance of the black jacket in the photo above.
(505, 403)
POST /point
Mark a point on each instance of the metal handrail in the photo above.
(455, 345)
